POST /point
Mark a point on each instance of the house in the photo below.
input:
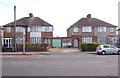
(1, 35)
(35, 29)
(118, 34)
(90, 29)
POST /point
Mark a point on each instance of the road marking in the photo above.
(89, 61)
(24, 62)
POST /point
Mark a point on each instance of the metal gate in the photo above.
(56, 43)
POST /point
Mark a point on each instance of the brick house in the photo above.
(36, 31)
(89, 29)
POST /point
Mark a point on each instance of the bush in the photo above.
(90, 46)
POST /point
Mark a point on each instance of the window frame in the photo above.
(86, 29)
(75, 29)
(86, 39)
(19, 29)
(101, 29)
(8, 29)
(111, 29)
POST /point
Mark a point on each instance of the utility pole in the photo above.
(15, 28)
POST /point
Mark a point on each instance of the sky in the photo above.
(60, 13)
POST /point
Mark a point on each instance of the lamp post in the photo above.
(23, 40)
(15, 27)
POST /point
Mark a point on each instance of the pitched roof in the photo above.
(88, 21)
(27, 21)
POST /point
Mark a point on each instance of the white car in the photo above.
(107, 49)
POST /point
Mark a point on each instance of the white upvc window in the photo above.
(8, 29)
(7, 42)
(101, 29)
(34, 40)
(19, 29)
(86, 29)
(86, 39)
(35, 29)
(75, 29)
(46, 29)
(112, 29)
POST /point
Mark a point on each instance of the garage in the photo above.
(56, 43)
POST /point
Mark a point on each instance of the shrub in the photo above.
(28, 45)
(90, 46)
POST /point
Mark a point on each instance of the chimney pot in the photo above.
(89, 16)
(30, 15)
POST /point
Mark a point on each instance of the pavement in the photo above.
(51, 50)
(26, 53)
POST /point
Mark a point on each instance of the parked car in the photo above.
(107, 49)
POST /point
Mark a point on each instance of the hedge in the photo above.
(90, 46)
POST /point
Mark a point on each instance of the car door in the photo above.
(113, 49)
(107, 48)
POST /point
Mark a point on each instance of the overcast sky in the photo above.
(60, 13)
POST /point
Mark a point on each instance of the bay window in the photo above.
(86, 39)
(34, 40)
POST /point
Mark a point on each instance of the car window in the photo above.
(106, 46)
(112, 46)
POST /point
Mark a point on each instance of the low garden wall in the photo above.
(28, 48)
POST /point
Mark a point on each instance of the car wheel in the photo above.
(103, 53)
(118, 52)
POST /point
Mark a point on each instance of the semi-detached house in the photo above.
(89, 29)
(36, 31)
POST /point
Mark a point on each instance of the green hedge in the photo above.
(90, 46)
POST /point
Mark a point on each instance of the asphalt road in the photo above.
(62, 64)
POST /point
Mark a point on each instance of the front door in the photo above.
(76, 43)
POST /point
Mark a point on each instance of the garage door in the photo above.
(56, 43)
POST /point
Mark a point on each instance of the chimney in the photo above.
(89, 16)
(30, 15)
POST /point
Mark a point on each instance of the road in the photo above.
(62, 64)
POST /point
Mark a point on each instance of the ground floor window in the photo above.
(102, 40)
(86, 39)
(19, 40)
(7, 42)
(34, 40)
(47, 41)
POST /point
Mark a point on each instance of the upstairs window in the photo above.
(101, 29)
(19, 29)
(46, 29)
(75, 29)
(8, 29)
(35, 29)
(86, 29)
(111, 29)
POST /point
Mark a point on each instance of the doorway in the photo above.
(76, 43)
